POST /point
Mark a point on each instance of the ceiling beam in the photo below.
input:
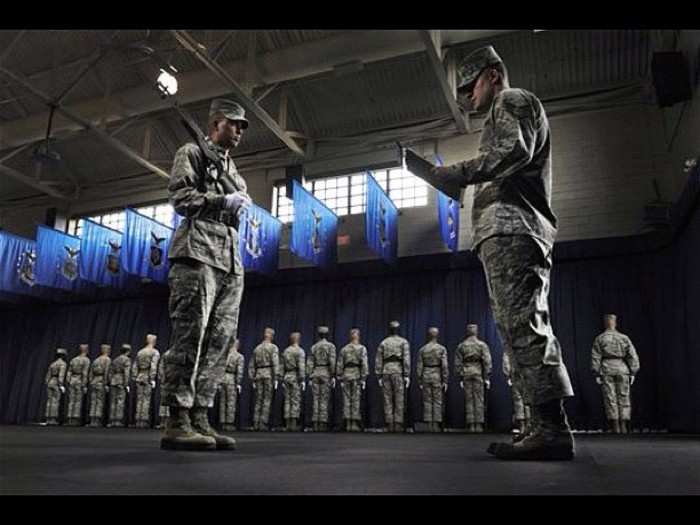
(30, 181)
(243, 98)
(432, 40)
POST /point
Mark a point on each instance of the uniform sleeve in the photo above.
(444, 366)
(108, 372)
(458, 362)
(301, 368)
(185, 181)
(486, 360)
(276, 363)
(419, 365)
(48, 375)
(134, 368)
(84, 379)
(154, 366)
(596, 354)
(406, 350)
(512, 146)
(69, 373)
(62, 374)
(365, 364)
(239, 369)
(127, 372)
(310, 362)
(332, 360)
(340, 363)
(161, 371)
(506, 364)
(632, 359)
(379, 360)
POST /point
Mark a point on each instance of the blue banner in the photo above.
(259, 240)
(100, 260)
(315, 229)
(381, 221)
(145, 248)
(58, 254)
(18, 264)
(448, 217)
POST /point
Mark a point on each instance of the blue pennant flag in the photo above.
(259, 240)
(381, 221)
(315, 229)
(448, 217)
(100, 260)
(58, 254)
(18, 264)
(145, 248)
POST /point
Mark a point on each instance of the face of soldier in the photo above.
(611, 323)
(484, 89)
(227, 133)
(83, 349)
(269, 335)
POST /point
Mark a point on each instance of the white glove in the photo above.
(276, 383)
(128, 389)
(238, 387)
(598, 380)
(237, 202)
(420, 386)
(153, 384)
(63, 389)
(333, 382)
(106, 389)
(364, 384)
(84, 390)
(444, 387)
(381, 383)
(487, 383)
(631, 380)
(303, 386)
(461, 385)
(219, 387)
(407, 381)
(252, 385)
(510, 383)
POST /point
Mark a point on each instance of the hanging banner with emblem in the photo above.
(58, 259)
(17, 264)
(381, 221)
(100, 261)
(259, 240)
(314, 230)
(145, 248)
(448, 216)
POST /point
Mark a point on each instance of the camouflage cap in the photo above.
(610, 316)
(61, 351)
(394, 324)
(472, 327)
(474, 63)
(323, 330)
(229, 109)
(126, 347)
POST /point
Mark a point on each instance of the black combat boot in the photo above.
(200, 423)
(479, 428)
(551, 439)
(179, 434)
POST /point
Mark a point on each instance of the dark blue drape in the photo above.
(145, 250)
(259, 235)
(314, 230)
(381, 221)
(100, 260)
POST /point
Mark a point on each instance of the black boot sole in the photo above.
(173, 445)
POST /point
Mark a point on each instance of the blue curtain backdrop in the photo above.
(259, 235)
(381, 221)
(58, 259)
(18, 269)
(314, 230)
(145, 250)
(100, 248)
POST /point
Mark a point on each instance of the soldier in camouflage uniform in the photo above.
(163, 410)
(99, 385)
(513, 233)
(320, 368)
(352, 368)
(145, 372)
(119, 377)
(263, 370)
(77, 379)
(615, 363)
(54, 382)
(521, 409)
(230, 387)
(473, 367)
(433, 374)
(392, 366)
(293, 375)
(206, 278)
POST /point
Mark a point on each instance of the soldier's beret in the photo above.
(474, 63)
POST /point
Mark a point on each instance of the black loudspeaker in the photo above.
(293, 173)
(671, 75)
(51, 217)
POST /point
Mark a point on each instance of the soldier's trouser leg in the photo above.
(164, 413)
(53, 402)
(143, 402)
(351, 400)
(610, 398)
(518, 405)
(75, 402)
(427, 403)
(398, 387)
(227, 404)
(518, 278)
(436, 394)
(320, 391)
(204, 305)
(118, 395)
(622, 390)
(388, 395)
(295, 400)
(478, 397)
(265, 392)
(97, 402)
(470, 410)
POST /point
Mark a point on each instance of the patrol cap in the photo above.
(104, 347)
(323, 330)
(229, 109)
(126, 347)
(610, 316)
(61, 351)
(433, 329)
(473, 64)
(394, 324)
(472, 327)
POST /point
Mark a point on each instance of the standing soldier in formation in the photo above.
(119, 376)
(293, 376)
(615, 363)
(473, 367)
(77, 379)
(230, 387)
(514, 229)
(521, 409)
(145, 372)
(99, 385)
(163, 410)
(433, 375)
(352, 370)
(320, 368)
(393, 368)
(206, 277)
(54, 380)
(263, 371)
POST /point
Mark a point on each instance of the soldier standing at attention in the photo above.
(320, 368)
(99, 385)
(145, 372)
(77, 379)
(263, 370)
(119, 377)
(433, 375)
(352, 371)
(392, 365)
(230, 388)
(473, 367)
(54, 379)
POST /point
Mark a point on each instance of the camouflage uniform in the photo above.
(433, 374)
(320, 367)
(352, 369)
(473, 367)
(206, 278)
(233, 377)
(54, 381)
(263, 369)
(521, 410)
(119, 377)
(164, 410)
(77, 379)
(393, 365)
(293, 376)
(99, 381)
(614, 358)
(145, 372)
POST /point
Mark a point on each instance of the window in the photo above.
(163, 213)
(116, 220)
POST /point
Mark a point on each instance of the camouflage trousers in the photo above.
(321, 394)
(204, 305)
(263, 399)
(97, 400)
(292, 398)
(616, 397)
(53, 401)
(227, 404)
(474, 400)
(517, 272)
(143, 402)
(393, 388)
(75, 401)
(521, 410)
(117, 398)
(164, 411)
(352, 396)
(432, 402)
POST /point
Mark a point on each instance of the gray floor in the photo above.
(57, 460)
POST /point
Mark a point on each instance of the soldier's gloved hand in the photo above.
(238, 387)
(406, 381)
(219, 387)
(381, 383)
(444, 387)
(487, 383)
(237, 202)
(461, 385)
(364, 384)
(106, 389)
(252, 385)
(333, 382)
(631, 380)
(63, 389)
(598, 380)
(276, 383)
(420, 386)
(128, 389)
(510, 383)
(153, 384)
(303, 386)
